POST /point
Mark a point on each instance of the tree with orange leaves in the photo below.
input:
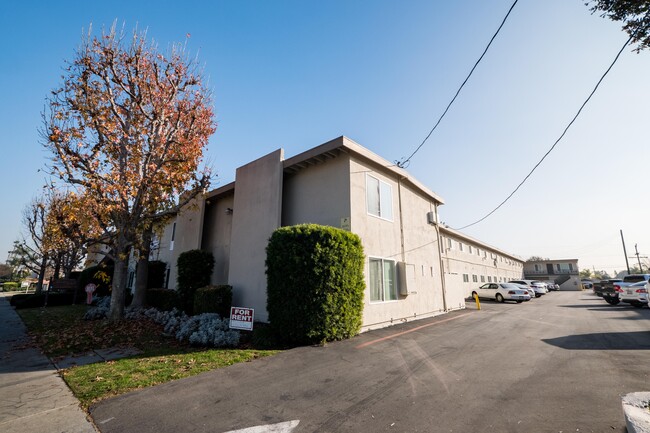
(128, 126)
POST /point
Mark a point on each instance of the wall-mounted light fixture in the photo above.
(228, 211)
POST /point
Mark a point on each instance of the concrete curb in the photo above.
(637, 415)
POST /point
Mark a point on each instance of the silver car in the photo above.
(502, 292)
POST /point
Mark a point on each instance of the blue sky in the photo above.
(295, 74)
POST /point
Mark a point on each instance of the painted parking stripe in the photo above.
(388, 337)
(283, 427)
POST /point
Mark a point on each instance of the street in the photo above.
(555, 364)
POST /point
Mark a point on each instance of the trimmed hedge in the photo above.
(10, 286)
(156, 277)
(36, 301)
(163, 299)
(315, 283)
(213, 299)
(194, 271)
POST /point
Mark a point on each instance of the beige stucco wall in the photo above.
(219, 212)
(319, 194)
(383, 239)
(257, 211)
(189, 229)
(496, 264)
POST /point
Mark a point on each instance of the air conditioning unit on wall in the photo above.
(431, 218)
(405, 278)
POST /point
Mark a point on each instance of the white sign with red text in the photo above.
(241, 318)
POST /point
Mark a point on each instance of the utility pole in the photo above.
(638, 258)
(627, 264)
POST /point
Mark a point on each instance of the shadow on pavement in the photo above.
(639, 340)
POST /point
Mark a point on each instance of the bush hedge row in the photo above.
(194, 271)
(213, 299)
(315, 283)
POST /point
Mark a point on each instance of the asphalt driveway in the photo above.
(555, 364)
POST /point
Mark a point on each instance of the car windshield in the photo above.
(509, 286)
(633, 278)
(640, 283)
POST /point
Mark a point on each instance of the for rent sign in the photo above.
(241, 318)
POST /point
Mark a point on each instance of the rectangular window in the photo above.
(171, 243)
(475, 278)
(482, 278)
(465, 278)
(478, 251)
(450, 244)
(379, 198)
(469, 249)
(489, 279)
(571, 266)
(382, 280)
(460, 246)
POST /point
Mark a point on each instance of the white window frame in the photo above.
(384, 207)
(383, 291)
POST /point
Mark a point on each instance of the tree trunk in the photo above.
(142, 271)
(57, 265)
(41, 275)
(118, 283)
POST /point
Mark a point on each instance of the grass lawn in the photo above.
(61, 331)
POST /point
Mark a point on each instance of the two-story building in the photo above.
(564, 272)
(411, 271)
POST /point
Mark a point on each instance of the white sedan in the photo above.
(502, 292)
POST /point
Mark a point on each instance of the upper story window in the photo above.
(469, 248)
(450, 244)
(379, 198)
(460, 246)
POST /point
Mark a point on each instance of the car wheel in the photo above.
(519, 302)
(638, 304)
(612, 301)
(474, 294)
(499, 297)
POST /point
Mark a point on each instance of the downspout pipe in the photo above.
(442, 264)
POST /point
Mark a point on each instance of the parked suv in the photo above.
(631, 292)
(635, 294)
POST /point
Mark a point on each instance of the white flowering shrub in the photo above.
(206, 329)
(100, 311)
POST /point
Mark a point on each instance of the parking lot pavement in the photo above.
(558, 363)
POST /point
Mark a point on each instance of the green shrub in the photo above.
(20, 297)
(157, 271)
(315, 283)
(99, 275)
(213, 299)
(35, 301)
(163, 299)
(194, 271)
(10, 286)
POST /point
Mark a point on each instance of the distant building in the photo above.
(564, 272)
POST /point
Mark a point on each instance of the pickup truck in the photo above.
(606, 287)
(613, 291)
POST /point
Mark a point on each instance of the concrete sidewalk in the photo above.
(33, 397)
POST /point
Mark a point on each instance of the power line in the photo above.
(558, 140)
(405, 163)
